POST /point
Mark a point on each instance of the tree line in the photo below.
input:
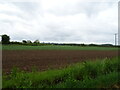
(6, 40)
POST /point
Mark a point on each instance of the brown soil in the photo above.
(46, 59)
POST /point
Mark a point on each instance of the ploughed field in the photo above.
(47, 59)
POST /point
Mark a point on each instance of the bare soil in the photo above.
(47, 59)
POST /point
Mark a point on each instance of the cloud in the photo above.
(60, 21)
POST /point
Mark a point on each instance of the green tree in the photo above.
(37, 41)
(5, 39)
(24, 41)
(29, 42)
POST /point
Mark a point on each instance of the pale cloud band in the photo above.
(79, 21)
(60, 0)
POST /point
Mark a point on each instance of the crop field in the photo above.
(47, 57)
(55, 47)
(44, 66)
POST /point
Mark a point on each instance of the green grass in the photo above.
(90, 74)
(54, 47)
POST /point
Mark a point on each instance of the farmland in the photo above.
(102, 73)
(53, 60)
(55, 47)
(45, 57)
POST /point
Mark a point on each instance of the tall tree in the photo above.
(5, 39)
(24, 41)
(37, 41)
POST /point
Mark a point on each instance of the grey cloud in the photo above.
(71, 22)
(27, 6)
(89, 8)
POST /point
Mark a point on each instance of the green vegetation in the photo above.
(5, 39)
(89, 74)
(55, 47)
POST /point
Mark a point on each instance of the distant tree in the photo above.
(28, 41)
(24, 41)
(82, 44)
(93, 45)
(15, 42)
(107, 45)
(37, 41)
(5, 39)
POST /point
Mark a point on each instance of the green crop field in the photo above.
(101, 73)
(55, 47)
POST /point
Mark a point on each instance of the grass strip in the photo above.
(89, 74)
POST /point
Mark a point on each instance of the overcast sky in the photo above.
(72, 21)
